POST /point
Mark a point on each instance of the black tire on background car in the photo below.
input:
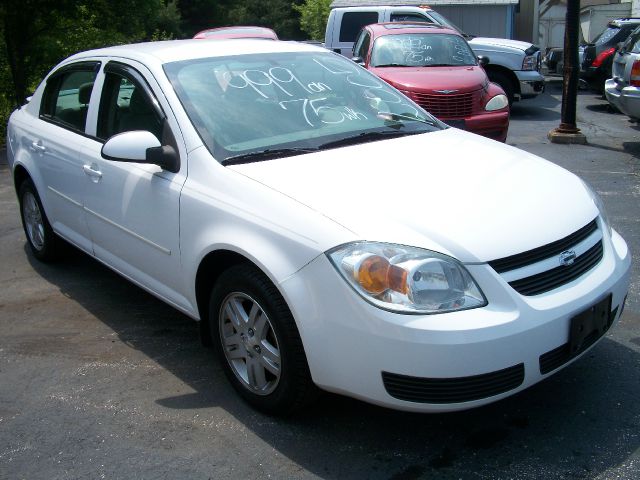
(44, 243)
(258, 343)
(505, 82)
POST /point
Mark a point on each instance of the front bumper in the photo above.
(494, 125)
(531, 83)
(627, 99)
(351, 345)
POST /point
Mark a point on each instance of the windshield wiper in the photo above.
(395, 117)
(389, 65)
(267, 154)
(365, 137)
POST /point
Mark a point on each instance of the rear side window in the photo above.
(352, 23)
(66, 97)
(408, 17)
(607, 35)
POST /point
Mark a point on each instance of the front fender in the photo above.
(221, 209)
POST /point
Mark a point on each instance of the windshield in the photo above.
(296, 102)
(421, 50)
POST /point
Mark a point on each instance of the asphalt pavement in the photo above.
(98, 379)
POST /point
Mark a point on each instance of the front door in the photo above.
(133, 209)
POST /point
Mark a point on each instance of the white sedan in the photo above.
(323, 229)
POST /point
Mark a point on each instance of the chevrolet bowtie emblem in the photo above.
(567, 258)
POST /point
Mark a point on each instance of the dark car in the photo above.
(598, 56)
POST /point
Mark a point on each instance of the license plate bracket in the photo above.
(589, 325)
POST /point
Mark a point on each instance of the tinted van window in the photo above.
(352, 23)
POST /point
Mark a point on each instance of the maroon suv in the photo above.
(435, 67)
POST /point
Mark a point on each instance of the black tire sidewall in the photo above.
(48, 252)
(505, 83)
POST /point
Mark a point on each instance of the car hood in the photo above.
(449, 191)
(430, 79)
(500, 42)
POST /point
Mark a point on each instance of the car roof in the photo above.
(624, 21)
(239, 31)
(393, 28)
(177, 50)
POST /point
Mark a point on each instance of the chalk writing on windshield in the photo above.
(276, 82)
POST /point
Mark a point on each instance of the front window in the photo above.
(421, 50)
(263, 103)
(125, 107)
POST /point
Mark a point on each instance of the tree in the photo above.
(276, 14)
(313, 17)
(37, 34)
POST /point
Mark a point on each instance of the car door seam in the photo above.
(77, 204)
(130, 232)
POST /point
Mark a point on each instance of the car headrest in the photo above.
(139, 104)
(84, 92)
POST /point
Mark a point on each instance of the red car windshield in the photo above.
(421, 50)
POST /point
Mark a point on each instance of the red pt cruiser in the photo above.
(435, 67)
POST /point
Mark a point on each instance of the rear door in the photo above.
(61, 146)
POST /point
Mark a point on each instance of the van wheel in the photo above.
(44, 243)
(258, 343)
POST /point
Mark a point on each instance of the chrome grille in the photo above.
(448, 105)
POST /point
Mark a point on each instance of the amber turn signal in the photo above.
(376, 275)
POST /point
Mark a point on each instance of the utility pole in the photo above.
(568, 132)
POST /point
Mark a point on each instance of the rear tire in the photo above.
(44, 243)
(257, 342)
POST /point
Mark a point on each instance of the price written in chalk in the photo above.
(271, 84)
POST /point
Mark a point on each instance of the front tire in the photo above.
(258, 343)
(44, 243)
(505, 83)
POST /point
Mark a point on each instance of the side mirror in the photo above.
(483, 60)
(358, 60)
(140, 146)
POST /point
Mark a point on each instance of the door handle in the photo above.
(38, 147)
(92, 171)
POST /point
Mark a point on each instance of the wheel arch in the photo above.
(212, 265)
(20, 174)
(493, 68)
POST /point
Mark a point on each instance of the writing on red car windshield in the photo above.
(417, 50)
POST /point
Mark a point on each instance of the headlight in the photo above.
(406, 279)
(497, 102)
(529, 62)
(599, 205)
